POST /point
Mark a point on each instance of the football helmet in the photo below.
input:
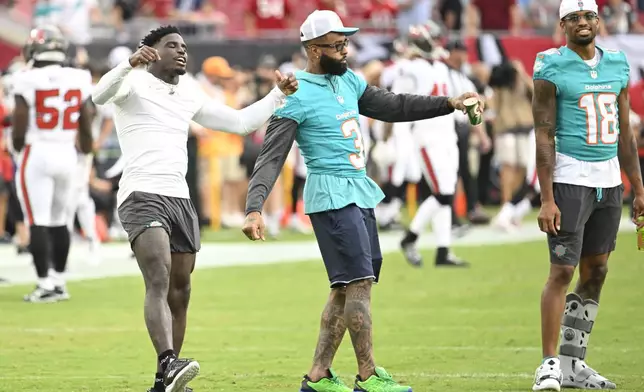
(46, 43)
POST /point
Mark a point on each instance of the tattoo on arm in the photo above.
(628, 157)
(544, 111)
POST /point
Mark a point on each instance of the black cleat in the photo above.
(452, 261)
(154, 390)
(179, 373)
(40, 295)
(62, 293)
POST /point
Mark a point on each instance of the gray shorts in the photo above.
(590, 219)
(141, 211)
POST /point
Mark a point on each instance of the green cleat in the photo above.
(326, 384)
(380, 382)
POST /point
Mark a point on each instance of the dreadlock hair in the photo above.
(154, 36)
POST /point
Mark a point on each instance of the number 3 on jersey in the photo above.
(48, 114)
(603, 128)
(349, 128)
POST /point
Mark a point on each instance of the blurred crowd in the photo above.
(220, 164)
(83, 19)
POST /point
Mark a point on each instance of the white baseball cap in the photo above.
(320, 23)
(569, 6)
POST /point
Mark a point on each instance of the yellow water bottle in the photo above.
(640, 234)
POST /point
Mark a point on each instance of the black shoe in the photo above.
(40, 295)
(63, 294)
(154, 390)
(179, 373)
(452, 261)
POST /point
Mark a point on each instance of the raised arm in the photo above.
(628, 157)
(544, 111)
(110, 88)
(214, 115)
(386, 106)
(277, 145)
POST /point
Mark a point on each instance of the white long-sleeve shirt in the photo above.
(152, 122)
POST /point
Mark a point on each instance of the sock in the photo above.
(60, 242)
(522, 209)
(158, 382)
(45, 283)
(389, 190)
(87, 218)
(520, 194)
(442, 226)
(547, 358)
(165, 358)
(39, 248)
(424, 215)
(410, 237)
(506, 213)
(441, 254)
(57, 278)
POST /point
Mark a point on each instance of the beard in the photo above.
(180, 71)
(583, 41)
(332, 66)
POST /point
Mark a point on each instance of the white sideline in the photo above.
(116, 259)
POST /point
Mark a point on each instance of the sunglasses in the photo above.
(575, 18)
(338, 46)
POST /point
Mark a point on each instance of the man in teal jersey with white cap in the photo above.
(323, 116)
(583, 140)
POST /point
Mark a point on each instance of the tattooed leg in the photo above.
(357, 315)
(592, 273)
(332, 328)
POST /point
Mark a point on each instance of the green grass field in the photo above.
(254, 328)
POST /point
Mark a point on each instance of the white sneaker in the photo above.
(548, 376)
(504, 225)
(585, 377)
(298, 226)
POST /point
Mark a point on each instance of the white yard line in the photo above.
(116, 259)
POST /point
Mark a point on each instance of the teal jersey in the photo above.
(587, 125)
(325, 108)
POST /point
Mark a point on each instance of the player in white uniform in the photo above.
(396, 165)
(81, 204)
(153, 107)
(433, 148)
(513, 212)
(50, 111)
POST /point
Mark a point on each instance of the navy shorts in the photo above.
(348, 241)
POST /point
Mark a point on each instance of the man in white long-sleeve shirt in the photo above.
(153, 108)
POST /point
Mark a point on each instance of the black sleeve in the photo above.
(277, 145)
(386, 106)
